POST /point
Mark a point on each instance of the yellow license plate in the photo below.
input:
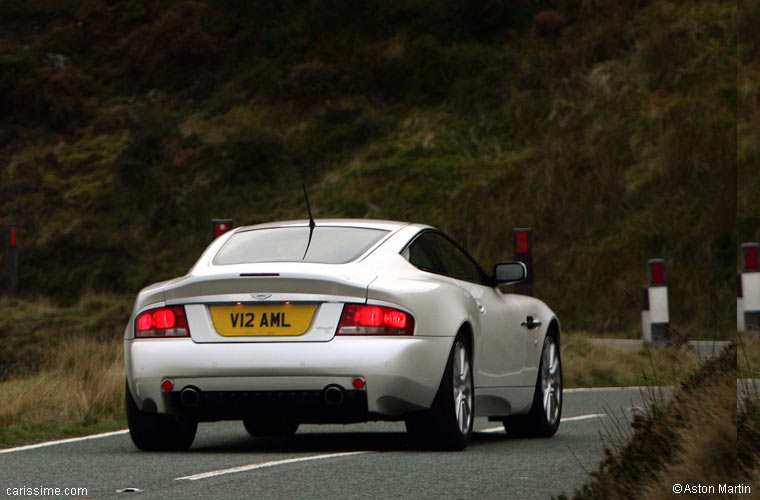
(262, 320)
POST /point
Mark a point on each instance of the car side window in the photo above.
(423, 257)
(457, 264)
(435, 253)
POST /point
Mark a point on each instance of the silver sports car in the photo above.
(339, 321)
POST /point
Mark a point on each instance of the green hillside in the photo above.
(608, 126)
(748, 129)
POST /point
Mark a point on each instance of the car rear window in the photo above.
(329, 245)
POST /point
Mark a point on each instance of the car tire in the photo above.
(448, 423)
(270, 427)
(156, 432)
(546, 410)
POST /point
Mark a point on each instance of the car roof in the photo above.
(387, 225)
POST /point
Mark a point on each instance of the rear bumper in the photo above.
(402, 375)
(303, 406)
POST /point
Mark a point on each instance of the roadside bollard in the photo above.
(219, 227)
(655, 319)
(739, 305)
(748, 289)
(523, 238)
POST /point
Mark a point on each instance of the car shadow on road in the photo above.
(333, 442)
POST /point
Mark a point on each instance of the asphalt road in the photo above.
(369, 460)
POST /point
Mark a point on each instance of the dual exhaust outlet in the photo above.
(332, 394)
(190, 397)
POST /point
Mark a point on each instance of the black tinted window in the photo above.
(422, 256)
(444, 257)
(329, 245)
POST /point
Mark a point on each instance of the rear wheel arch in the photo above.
(448, 423)
(465, 330)
(537, 423)
(554, 331)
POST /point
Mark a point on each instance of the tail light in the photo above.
(162, 322)
(359, 319)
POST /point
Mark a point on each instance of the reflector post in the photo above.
(655, 315)
(656, 268)
(740, 326)
(219, 227)
(749, 288)
(750, 257)
(523, 243)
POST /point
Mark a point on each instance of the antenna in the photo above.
(312, 225)
(308, 207)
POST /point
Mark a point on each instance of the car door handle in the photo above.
(531, 323)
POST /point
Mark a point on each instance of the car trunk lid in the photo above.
(283, 302)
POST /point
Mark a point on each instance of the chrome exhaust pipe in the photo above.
(190, 397)
(333, 395)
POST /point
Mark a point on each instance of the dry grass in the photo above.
(690, 438)
(81, 384)
(748, 362)
(707, 438)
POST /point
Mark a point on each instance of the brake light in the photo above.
(162, 322)
(359, 319)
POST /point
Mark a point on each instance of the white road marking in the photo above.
(64, 441)
(566, 419)
(262, 465)
(584, 417)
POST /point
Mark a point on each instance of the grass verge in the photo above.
(585, 364)
(79, 390)
(748, 357)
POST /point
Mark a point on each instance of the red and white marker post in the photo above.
(655, 318)
(748, 289)
(219, 227)
(523, 238)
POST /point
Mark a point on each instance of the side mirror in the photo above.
(509, 272)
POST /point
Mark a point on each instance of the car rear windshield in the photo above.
(329, 245)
